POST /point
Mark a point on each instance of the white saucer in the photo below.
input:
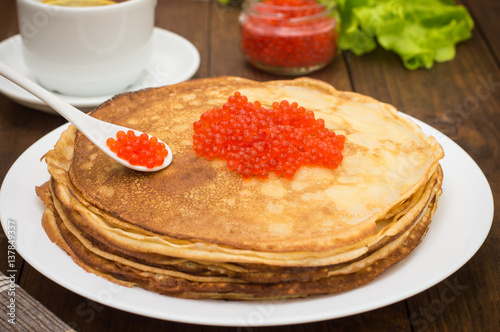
(174, 60)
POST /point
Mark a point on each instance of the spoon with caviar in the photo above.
(131, 148)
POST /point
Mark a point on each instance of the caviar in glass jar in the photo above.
(254, 140)
(288, 37)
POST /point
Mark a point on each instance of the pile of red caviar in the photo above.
(256, 141)
(272, 37)
(139, 150)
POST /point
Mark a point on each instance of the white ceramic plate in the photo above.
(174, 60)
(450, 242)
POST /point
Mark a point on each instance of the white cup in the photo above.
(87, 51)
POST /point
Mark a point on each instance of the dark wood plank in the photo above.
(8, 20)
(23, 312)
(188, 19)
(461, 98)
(485, 15)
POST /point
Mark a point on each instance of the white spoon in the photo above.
(95, 130)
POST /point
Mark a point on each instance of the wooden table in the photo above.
(454, 97)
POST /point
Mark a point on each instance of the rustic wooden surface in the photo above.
(23, 311)
(443, 97)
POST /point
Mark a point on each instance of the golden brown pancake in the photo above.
(208, 233)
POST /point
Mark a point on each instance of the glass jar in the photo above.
(286, 39)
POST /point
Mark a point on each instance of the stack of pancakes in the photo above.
(199, 230)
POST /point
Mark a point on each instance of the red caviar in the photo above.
(139, 150)
(256, 141)
(289, 37)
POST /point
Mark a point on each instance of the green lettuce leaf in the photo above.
(421, 32)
